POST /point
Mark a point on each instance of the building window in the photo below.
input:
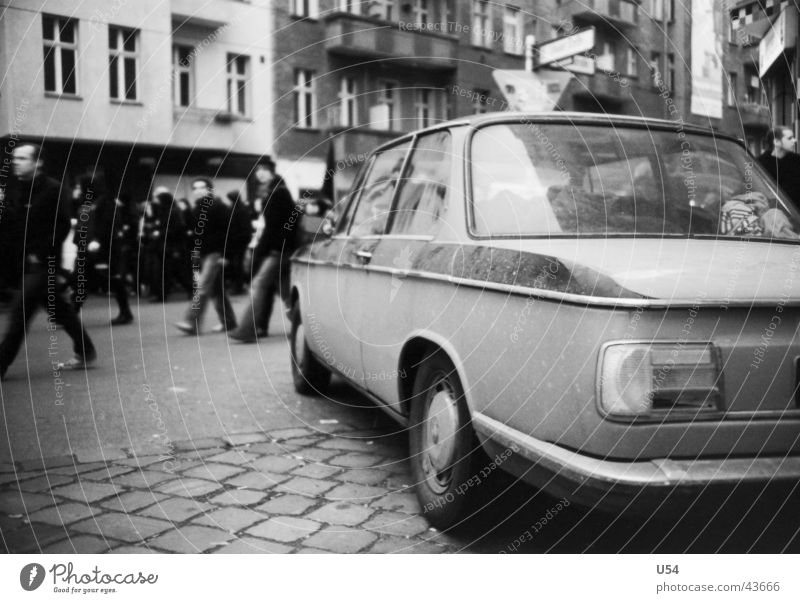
(659, 6)
(421, 12)
(348, 95)
(631, 61)
(606, 60)
(182, 75)
(752, 90)
(350, 6)
(123, 56)
(513, 42)
(655, 68)
(304, 99)
(480, 101)
(305, 8)
(237, 74)
(732, 84)
(382, 9)
(60, 50)
(425, 106)
(481, 23)
(390, 97)
(447, 15)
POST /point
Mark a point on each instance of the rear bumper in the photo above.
(615, 485)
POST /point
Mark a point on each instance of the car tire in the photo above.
(309, 375)
(441, 443)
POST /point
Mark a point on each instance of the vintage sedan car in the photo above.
(606, 307)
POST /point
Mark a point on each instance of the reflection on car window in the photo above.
(350, 202)
(423, 193)
(372, 212)
(556, 179)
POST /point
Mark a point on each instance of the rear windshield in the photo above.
(559, 179)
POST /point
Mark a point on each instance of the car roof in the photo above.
(569, 117)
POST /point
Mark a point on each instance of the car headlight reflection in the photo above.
(644, 378)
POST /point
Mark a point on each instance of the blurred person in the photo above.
(782, 163)
(39, 223)
(108, 232)
(240, 232)
(271, 254)
(210, 220)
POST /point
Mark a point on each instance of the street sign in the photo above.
(528, 91)
(563, 48)
(576, 64)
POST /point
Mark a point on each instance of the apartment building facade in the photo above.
(150, 92)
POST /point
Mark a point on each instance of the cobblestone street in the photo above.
(290, 490)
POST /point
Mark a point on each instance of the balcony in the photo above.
(612, 12)
(753, 115)
(366, 37)
(202, 14)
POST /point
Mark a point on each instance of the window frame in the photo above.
(121, 56)
(56, 48)
(348, 102)
(305, 99)
(307, 9)
(177, 69)
(236, 82)
(515, 43)
(393, 103)
(481, 10)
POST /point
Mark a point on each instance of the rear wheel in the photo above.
(441, 443)
(309, 375)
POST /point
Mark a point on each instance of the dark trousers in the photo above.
(272, 277)
(39, 289)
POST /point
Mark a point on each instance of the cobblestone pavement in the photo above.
(284, 491)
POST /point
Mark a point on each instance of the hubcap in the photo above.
(441, 425)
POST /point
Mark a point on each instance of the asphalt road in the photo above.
(153, 385)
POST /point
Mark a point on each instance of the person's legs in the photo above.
(23, 308)
(222, 304)
(206, 278)
(64, 315)
(261, 292)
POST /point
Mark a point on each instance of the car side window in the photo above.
(372, 212)
(423, 192)
(349, 203)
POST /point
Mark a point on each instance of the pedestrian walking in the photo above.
(240, 232)
(272, 252)
(39, 222)
(211, 219)
(108, 230)
(782, 163)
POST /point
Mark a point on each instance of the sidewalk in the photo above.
(285, 491)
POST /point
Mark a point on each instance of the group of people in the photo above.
(199, 246)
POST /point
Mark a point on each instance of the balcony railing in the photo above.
(423, 48)
(617, 12)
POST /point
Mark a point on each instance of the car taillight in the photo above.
(655, 378)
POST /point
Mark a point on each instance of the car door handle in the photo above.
(365, 255)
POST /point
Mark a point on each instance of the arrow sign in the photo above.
(562, 48)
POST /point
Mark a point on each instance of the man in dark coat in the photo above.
(211, 219)
(39, 222)
(273, 250)
(782, 163)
